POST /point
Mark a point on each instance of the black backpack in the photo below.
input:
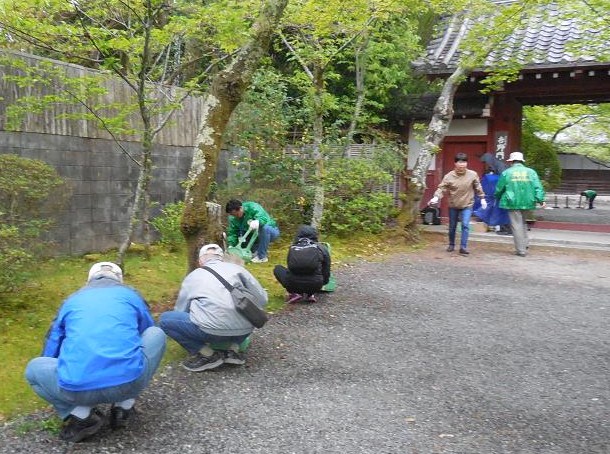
(304, 257)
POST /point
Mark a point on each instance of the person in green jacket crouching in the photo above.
(519, 190)
(250, 215)
(590, 195)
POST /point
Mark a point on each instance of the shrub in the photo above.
(168, 225)
(31, 194)
(354, 199)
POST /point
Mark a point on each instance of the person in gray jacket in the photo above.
(205, 317)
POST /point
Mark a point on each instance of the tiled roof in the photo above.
(542, 42)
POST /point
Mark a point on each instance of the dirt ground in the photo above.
(557, 264)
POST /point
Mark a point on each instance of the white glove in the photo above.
(484, 204)
(433, 201)
(253, 223)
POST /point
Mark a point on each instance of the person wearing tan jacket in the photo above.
(461, 184)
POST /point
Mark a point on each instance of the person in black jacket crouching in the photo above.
(308, 267)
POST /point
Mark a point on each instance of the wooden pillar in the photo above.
(505, 125)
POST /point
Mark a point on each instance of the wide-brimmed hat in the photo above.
(516, 156)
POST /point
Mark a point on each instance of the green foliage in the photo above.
(31, 193)
(542, 157)
(354, 199)
(261, 120)
(570, 128)
(573, 128)
(276, 169)
(168, 225)
(596, 151)
(386, 58)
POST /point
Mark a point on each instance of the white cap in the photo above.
(516, 156)
(213, 249)
(106, 269)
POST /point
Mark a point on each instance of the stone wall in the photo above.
(102, 179)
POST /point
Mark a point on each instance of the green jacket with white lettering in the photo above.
(519, 188)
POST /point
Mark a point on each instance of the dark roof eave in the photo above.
(564, 66)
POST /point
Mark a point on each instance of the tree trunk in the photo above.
(318, 136)
(225, 94)
(140, 208)
(437, 129)
(360, 68)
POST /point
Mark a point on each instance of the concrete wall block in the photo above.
(81, 202)
(120, 226)
(78, 187)
(74, 158)
(75, 173)
(94, 237)
(103, 228)
(166, 174)
(82, 245)
(61, 236)
(102, 214)
(10, 140)
(82, 216)
(106, 158)
(101, 187)
(123, 188)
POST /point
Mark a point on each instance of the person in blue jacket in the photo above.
(102, 347)
(493, 215)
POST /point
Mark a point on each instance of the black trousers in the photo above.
(297, 284)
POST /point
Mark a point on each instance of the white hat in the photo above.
(106, 269)
(516, 156)
(212, 248)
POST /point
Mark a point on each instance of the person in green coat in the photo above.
(250, 215)
(590, 195)
(519, 190)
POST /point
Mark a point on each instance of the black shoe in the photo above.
(232, 357)
(119, 416)
(450, 248)
(77, 429)
(199, 362)
(464, 251)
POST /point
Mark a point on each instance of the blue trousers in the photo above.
(454, 216)
(266, 235)
(178, 326)
(41, 374)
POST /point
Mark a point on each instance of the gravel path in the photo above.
(423, 353)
